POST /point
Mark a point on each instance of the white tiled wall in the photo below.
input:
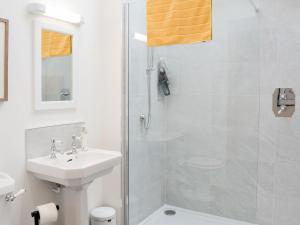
(38, 140)
(212, 166)
(279, 165)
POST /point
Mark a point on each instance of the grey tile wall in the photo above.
(212, 167)
(225, 152)
(279, 165)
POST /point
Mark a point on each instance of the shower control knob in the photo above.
(142, 117)
(283, 96)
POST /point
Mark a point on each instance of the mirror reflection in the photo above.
(56, 66)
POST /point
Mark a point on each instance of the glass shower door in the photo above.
(200, 152)
(146, 147)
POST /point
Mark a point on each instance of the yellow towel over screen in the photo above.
(56, 44)
(178, 21)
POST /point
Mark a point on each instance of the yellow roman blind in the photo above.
(178, 21)
(56, 44)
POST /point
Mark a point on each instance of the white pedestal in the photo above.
(74, 207)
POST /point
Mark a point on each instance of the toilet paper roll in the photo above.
(48, 213)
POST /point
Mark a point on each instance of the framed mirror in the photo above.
(55, 66)
(3, 59)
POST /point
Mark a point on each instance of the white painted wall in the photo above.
(99, 98)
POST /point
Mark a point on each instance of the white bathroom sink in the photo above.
(75, 170)
(7, 184)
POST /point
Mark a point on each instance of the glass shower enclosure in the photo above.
(194, 152)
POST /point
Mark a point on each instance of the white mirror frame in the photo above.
(39, 104)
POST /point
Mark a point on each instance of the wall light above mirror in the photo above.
(3, 59)
(38, 8)
(55, 66)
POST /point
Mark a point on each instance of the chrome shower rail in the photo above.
(146, 119)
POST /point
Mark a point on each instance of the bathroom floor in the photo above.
(187, 217)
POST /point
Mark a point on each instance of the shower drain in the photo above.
(170, 212)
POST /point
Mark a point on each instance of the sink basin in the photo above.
(74, 173)
(7, 184)
(74, 170)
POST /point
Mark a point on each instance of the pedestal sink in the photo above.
(75, 173)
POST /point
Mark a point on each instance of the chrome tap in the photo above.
(284, 101)
(282, 109)
(53, 148)
(74, 144)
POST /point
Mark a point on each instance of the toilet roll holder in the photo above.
(36, 216)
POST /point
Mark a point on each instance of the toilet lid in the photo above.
(103, 213)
